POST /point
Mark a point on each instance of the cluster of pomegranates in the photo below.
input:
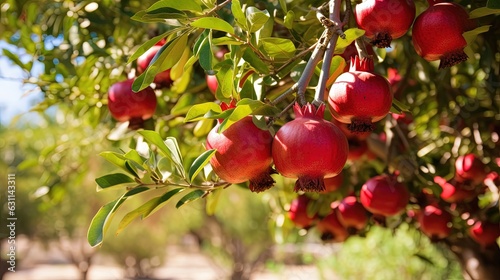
(437, 33)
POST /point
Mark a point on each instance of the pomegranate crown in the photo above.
(361, 64)
(309, 111)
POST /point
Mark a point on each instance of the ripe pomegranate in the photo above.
(333, 183)
(309, 148)
(162, 79)
(212, 83)
(485, 233)
(384, 20)
(126, 105)
(454, 192)
(243, 154)
(470, 167)
(351, 213)
(331, 229)
(357, 149)
(298, 212)
(360, 97)
(384, 195)
(437, 33)
(435, 222)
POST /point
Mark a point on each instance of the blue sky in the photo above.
(14, 99)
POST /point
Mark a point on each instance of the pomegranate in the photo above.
(309, 148)
(437, 33)
(485, 233)
(360, 97)
(435, 222)
(331, 229)
(351, 213)
(470, 167)
(126, 105)
(384, 20)
(212, 83)
(243, 154)
(453, 191)
(384, 195)
(298, 212)
(162, 79)
(357, 149)
(333, 183)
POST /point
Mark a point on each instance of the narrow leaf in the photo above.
(484, 11)
(184, 5)
(190, 197)
(199, 163)
(212, 201)
(250, 57)
(114, 179)
(119, 161)
(154, 138)
(238, 14)
(256, 18)
(198, 111)
(213, 23)
(278, 47)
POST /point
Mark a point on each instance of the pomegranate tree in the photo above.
(309, 148)
(351, 213)
(384, 195)
(127, 105)
(360, 97)
(484, 232)
(470, 167)
(162, 79)
(331, 229)
(298, 212)
(435, 222)
(384, 20)
(243, 154)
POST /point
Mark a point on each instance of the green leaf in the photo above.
(158, 15)
(250, 57)
(184, 5)
(203, 127)
(199, 163)
(351, 35)
(205, 55)
(173, 146)
(133, 155)
(165, 58)
(398, 107)
(198, 111)
(485, 11)
(283, 6)
(119, 161)
(213, 23)
(190, 197)
(470, 37)
(256, 18)
(224, 40)
(183, 104)
(209, 3)
(15, 59)
(146, 209)
(114, 179)
(289, 18)
(226, 84)
(278, 47)
(100, 222)
(154, 138)
(212, 201)
(238, 14)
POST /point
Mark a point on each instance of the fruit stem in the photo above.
(327, 59)
(361, 48)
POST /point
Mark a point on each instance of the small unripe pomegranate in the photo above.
(351, 213)
(470, 167)
(454, 192)
(298, 212)
(127, 105)
(162, 79)
(309, 148)
(384, 20)
(485, 233)
(435, 222)
(333, 183)
(243, 154)
(212, 83)
(437, 34)
(331, 229)
(360, 97)
(384, 195)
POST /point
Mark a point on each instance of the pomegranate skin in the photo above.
(298, 212)
(126, 105)
(437, 34)
(212, 83)
(384, 20)
(162, 79)
(434, 222)
(351, 213)
(333, 183)
(309, 148)
(359, 97)
(384, 196)
(485, 233)
(243, 154)
(470, 167)
(331, 229)
(454, 192)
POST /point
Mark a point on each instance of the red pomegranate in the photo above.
(470, 167)
(485, 233)
(162, 79)
(309, 148)
(437, 33)
(331, 229)
(384, 195)
(298, 212)
(435, 222)
(454, 192)
(351, 213)
(212, 83)
(126, 105)
(243, 154)
(333, 183)
(384, 20)
(357, 149)
(360, 97)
